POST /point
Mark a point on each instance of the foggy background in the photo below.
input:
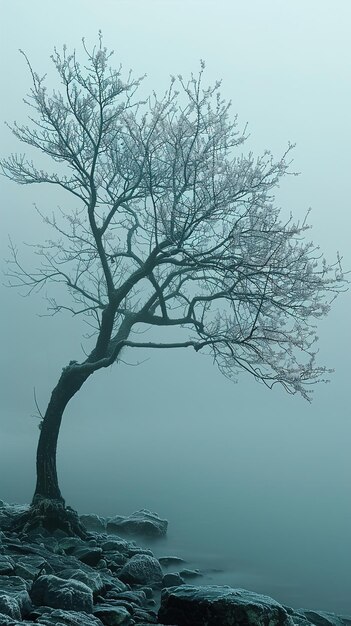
(252, 481)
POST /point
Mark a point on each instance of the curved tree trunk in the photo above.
(47, 486)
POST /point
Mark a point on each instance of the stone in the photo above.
(8, 512)
(92, 579)
(322, 618)
(58, 593)
(7, 565)
(70, 544)
(88, 555)
(170, 560)
(190, 573)
(93, 522)
(31, 566)
(15, 600)
(114, 545)
(148, 617)
(141, 522)
(6, 620)
(219, 606)
(172, 579)
(137, 596)
(57, 617)
(113, 615)
(9, 606)
(141, 569)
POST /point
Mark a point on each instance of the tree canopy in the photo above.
(170, 224)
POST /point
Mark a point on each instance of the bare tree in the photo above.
(172, 225)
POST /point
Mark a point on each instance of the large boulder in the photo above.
(142, 569)
(93, 522)
(58, 593)
(141, 522)
(30, 566)
(9, 511)
(14, 597)
(220, 606)
(90, 578)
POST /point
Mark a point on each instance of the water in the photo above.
(256, 487)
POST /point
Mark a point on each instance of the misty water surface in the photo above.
(259, 489)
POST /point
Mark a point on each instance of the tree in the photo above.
(171, 226)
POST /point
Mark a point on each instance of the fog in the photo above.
(253, 482)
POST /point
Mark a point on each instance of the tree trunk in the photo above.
(47, 486)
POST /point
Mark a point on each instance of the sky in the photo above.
(173, 431)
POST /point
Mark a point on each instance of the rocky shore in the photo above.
(53, 579)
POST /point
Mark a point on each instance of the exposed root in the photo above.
(51, 515)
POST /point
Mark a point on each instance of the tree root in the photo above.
(51, 515)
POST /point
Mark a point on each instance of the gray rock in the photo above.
(114, 545)
(190, 573)
(15, 600)
(9, 606)
(92, 579)
(142, 569)
(29, 567)
(6, 620)
(115, 560)
(70, 544)
(172, 579)
(88, 555)
(219, 606)
(7, 565)
(58, 593)
(93, 522)
(141, 522)
(8, 512)
(170, 560)
(148, 617)
(67, 618)
(137, 596)
(322, 618)
(113, 615)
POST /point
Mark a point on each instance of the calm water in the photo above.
(259, 489)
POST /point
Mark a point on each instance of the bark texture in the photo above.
(47, 486)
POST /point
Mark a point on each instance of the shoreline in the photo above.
(112, 578)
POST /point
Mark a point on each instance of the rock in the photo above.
(322, 618)
(92, 579)
(141, 569)
(58, 593)
(190, 573)
(119, 545)
(14, 597)
(113, 615)
(8, 512)
(28, 567)
(6, 620)
(148, 617)
(170, 560)
(136, 597)
(57, 617)
(9, 606)
(172, 580)
(219, 606)
(93, 522)
(7, 565)
(70, 544)
(141, 522)
(89, 556)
